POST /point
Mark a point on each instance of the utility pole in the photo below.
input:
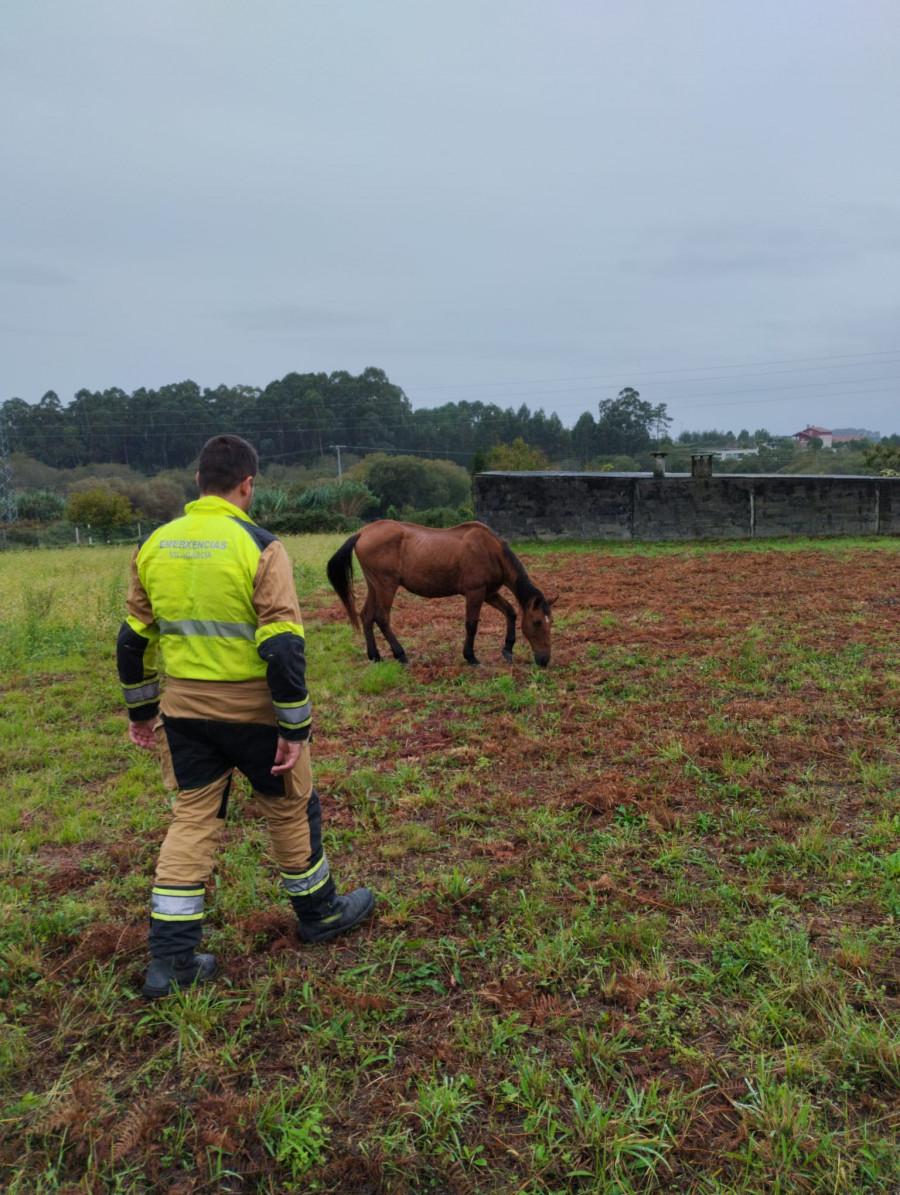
(7, 501)
(337, 448)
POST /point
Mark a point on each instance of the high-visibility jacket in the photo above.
(213, 595)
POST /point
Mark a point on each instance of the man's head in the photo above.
(227, 463)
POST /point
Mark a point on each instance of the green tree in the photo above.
(99, 507)
(584, 438)
(479, 462)
(547, 434)
(411, 481)
(43, 430)
(104, 425)
(516, 457)
(710, 438)
(628, 424)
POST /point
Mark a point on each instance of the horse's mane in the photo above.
(523, 586)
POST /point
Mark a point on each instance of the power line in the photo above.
(424, 421)
(862, 360)
(682, 399)
(423, 413)
(796, 398)
(644, 373)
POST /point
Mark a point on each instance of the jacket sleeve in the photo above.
(136, 652)
(280, 642)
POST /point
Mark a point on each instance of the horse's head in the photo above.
(537, 619)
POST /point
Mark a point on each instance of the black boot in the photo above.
(336, 915)
(177, 972)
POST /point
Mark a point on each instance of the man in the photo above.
(215, 595)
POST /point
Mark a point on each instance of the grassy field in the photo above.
(637, 922)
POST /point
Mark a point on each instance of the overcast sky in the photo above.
(506, 200)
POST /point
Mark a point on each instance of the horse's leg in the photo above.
(383, 603)
(474, 600)
(367, 617)
(500, 603)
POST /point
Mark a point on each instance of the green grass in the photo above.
(637, 922)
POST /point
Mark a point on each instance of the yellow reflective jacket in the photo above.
(214, 593)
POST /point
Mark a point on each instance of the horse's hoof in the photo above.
(473, 662)
(404, 660)
(507, 655)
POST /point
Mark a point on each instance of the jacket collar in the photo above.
(212, 504)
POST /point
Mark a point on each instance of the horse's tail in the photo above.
(340, 573)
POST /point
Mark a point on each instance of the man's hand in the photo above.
(141, 734)
(286, 755)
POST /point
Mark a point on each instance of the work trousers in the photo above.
(198, 757)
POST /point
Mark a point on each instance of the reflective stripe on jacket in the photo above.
(196, 594)
(198, 573)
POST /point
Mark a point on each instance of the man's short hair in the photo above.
(224, 463)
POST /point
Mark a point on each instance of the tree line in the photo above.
(291, 421)
(300, 417)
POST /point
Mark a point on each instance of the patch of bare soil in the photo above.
(688, 689)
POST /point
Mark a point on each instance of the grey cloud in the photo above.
(800, 249)
(296, 317)
(30, 273)
(205, 194)
(874, 226)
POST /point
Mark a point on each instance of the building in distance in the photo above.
(840, 435)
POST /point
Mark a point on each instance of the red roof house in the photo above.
(810, 433)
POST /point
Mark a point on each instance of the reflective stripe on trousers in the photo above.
(307, 882)
(177, 904)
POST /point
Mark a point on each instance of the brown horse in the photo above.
(438, 562)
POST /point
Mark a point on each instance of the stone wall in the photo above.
(640, 506)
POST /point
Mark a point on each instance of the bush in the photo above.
(157, 500)
(884, 458)
(19, 537)
(401, 481)
(350, 500)
(436, 516)
(614, 464)
(309, 522)
(57, 535)
(42, 506)
(31, 474)
(99, 507)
